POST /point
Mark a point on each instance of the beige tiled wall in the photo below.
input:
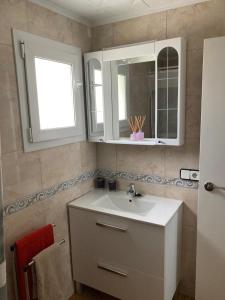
(195, 23)
(26, 173)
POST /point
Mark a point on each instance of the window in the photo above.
(54, 82)
(50, 90)
(122, 94)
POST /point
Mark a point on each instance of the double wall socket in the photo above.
(189, 174)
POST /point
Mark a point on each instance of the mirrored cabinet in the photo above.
(136, 93)
(94, 92)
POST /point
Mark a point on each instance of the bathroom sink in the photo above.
(148, 209)
(128, 249)
(139, 206)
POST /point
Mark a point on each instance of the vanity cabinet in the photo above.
(146, 79)
(125, 258)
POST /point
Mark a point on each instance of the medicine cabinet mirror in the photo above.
(136, 93)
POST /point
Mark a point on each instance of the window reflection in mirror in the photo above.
(96, 95)
(136, 94)
(167, 93)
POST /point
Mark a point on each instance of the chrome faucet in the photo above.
(131, 192)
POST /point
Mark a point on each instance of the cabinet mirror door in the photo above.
(133, 88)
(167, 93)
(95, 99)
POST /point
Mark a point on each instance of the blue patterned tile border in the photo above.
(154, 179)
(46, 194)
(66, 185)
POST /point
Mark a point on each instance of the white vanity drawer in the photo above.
(123, 283)
(116, 240)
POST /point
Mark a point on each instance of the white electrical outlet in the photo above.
(194, 175)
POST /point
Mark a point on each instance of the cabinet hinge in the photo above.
(22, 49)
(29, 134)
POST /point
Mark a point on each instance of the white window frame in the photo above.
(28, 46)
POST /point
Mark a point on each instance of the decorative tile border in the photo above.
(66, 185)
(46, 194)
(154, 179)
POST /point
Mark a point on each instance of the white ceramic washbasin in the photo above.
(149, 208)
(139, 206)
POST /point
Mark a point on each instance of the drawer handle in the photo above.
(113, 227)
(112, 270)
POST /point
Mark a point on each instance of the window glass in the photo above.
(99, 104)
(96, 94)
(55, 94)
(98, 75)
(122, 97)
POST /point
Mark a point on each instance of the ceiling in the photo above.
(99, 12)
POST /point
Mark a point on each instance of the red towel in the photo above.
(26, 248)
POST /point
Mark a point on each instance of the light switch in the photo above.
(185, 174)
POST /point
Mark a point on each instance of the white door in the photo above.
(210, 282)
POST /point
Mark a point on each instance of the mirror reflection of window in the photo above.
(96, 95)
(122, 87)
(136, 94)
(99, 104)
(98, 75)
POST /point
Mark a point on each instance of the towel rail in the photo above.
(13, 248)
(32, 262)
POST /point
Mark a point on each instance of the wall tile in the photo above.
(197, 22)
(49, 24)
(140, 159)
(190, 205)
(189, 239)
(9, 112)
(106, 156)
(194, 72)
(60, 163)
(188, 267)
(21, 175)
(8, 83)
(13, 14)
(88, 156)
(140, 29)
(188, 261)
(193, 117)
(10, 127)
(81, 36)
(102, 37)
